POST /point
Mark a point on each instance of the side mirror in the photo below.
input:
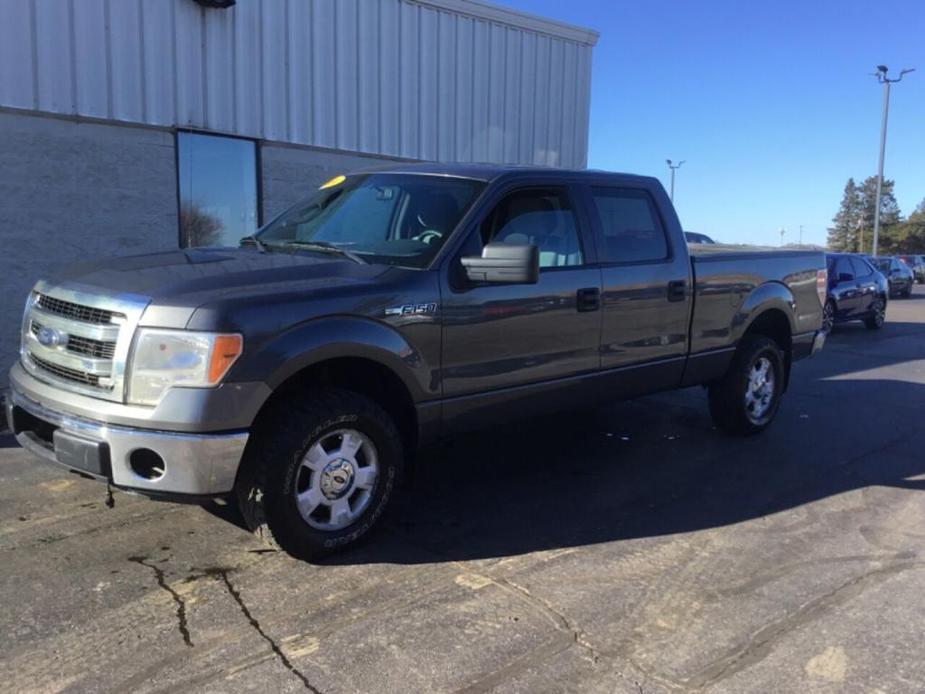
(845, 277)
(502, 263)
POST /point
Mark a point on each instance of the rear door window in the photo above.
(631, 228)
(843, 270)
(861, 268)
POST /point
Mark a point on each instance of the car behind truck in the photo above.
(299, 373)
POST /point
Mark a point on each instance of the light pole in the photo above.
(782, 232)
(673, 167)
(881, 75)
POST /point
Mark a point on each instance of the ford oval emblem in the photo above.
(49, 337)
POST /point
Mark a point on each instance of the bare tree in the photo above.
(198, 228)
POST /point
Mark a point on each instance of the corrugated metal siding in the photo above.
(448, 80)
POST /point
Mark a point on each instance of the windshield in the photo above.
(399, 219)
(882, 263)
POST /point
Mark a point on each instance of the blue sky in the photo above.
(771, 103)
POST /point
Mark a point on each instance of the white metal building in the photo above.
(124, 124)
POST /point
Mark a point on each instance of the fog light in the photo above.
(148, 464)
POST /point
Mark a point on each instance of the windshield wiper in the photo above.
(327, 246)
(253, 241)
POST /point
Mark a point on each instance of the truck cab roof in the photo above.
(493, 172)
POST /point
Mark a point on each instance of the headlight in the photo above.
(165, 358)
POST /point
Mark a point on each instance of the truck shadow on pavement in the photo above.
(656, 466)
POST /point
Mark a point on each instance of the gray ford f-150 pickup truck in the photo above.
(298, 373)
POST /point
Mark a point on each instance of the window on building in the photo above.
(631, 226)
(217, 177)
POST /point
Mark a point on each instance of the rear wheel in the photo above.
(745, 400)
(877, 315)
(326, 468)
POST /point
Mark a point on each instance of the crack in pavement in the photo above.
(236, 596)
(562, 622)
(558, 619)
(761, 642)
(178, 600)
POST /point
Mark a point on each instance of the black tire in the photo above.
(828, 316)
(877, 316)
(908, 292)
(267, 495)
(727, 395)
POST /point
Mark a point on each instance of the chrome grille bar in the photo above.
(97, 349)
(86, 314)
(66, 373)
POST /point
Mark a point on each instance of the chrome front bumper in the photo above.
(194, 464)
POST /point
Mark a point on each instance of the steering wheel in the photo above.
(429, 235)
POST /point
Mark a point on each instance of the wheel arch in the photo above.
(770, 310)
(358, 374)
(359, 355)
(774, 322)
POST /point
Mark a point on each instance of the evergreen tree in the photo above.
(919, 214)
(889, 208)
(842, 233)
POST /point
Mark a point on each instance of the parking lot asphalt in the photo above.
(629, 549)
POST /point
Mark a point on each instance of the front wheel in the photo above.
(745, 400)
(326, 467)
(877, 315)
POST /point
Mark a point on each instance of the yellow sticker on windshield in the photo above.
(336, 181)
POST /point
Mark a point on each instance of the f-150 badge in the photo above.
(411, 309)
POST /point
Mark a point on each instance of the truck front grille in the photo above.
(78, 340)
(66, 373)
(98, 349)
(86, 314)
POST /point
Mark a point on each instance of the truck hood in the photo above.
(193, 277)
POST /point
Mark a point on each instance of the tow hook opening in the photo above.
(147, 464)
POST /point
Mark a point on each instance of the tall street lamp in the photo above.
(673, 167)
(881, 75)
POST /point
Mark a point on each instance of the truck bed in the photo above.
(722, 280)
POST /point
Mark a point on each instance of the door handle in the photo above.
(589, 299)
(677, 290)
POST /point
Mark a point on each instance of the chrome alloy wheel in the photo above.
(336, 479)
(759, 392)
